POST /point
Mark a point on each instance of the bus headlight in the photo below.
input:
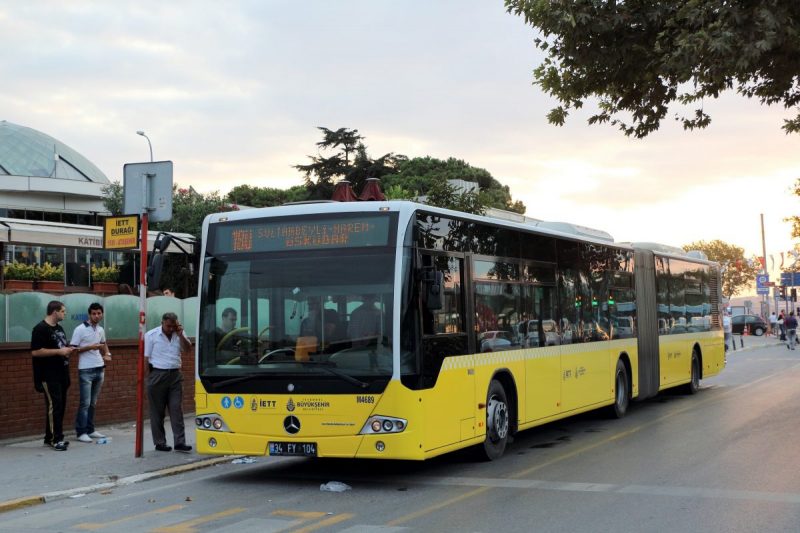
(383, 424)
(211, 422)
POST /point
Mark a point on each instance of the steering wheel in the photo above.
(230, 334)
(279, 351)
(237, 331)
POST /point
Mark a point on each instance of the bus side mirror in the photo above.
(433, 281)
(154, 270)
(157, 260)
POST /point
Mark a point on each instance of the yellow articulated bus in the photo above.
(396, 330)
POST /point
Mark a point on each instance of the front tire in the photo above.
(622, 394)
(497, 422)
(758, 332)
(694, 383)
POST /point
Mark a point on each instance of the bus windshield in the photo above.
(323, 313)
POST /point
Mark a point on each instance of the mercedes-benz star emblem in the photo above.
(291, 424)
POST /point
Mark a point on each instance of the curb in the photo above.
(29, 501)
(754, 347)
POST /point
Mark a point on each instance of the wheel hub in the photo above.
(497, 419)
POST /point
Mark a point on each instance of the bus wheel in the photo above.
(497, 421)
(694, 384)
(622, 396)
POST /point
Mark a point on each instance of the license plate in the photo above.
(303, 449)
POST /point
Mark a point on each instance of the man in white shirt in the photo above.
(162, 348)
(727, 328)
(90, 340)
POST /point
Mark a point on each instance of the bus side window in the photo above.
(443, 332)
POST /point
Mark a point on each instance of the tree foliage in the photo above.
(343, 155)
(639, 57)
(795, 220)
(247, 195)
(421, 175)
(189, 208)
(738, 272)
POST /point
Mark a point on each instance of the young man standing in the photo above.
(790, 323)
(162, 348)
(51, 371)
(90, 340)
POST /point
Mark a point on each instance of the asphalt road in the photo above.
(725, 459)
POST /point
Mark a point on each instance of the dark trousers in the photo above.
(55, 401)
(165, 391)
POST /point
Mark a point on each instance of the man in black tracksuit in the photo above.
(51, 351)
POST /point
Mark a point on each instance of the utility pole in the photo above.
(764, 297)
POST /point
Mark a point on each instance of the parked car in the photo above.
(550, 329)
(495, 341)
(756, 324)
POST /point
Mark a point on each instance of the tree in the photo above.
(323, 172)
(442, 194)
(189, 208)
(795, 220)
(637, 58)
(266, 196)
(422, 174)
(738, 274)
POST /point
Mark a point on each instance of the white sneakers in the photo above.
(88, 437)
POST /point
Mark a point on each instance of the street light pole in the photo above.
(140, 132)
(138, 444)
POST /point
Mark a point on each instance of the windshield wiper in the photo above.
(238, 379)
(326, 366)
(347, 377)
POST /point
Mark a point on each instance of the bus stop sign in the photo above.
(762, 284)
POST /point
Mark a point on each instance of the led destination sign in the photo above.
(340, 232)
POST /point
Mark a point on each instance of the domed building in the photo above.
(43, 179)
(51, 210)
(51, 199)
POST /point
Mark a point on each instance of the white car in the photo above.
(495, 341)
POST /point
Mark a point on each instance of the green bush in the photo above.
(20, 271)
(48, 272)
(105, 273)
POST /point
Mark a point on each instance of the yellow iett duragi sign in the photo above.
(121, 233)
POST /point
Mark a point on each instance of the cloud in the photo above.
(232, 93)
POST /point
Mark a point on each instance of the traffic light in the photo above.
(782, 292)
(794, 294)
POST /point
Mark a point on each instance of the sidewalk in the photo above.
(34, 473)
(751, 342)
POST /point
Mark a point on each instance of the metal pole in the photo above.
(143, 134)
(765, 298)
(142, 331)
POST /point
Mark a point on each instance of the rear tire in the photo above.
(758, 332)
(622, 393)
(694, 383)
(498, 422)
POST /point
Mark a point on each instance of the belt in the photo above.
(167, 369)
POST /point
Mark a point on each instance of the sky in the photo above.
(232, 93)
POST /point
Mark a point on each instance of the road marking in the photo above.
(325, 523)
(305, 515)
(188, 526)
(646, 490)
(430, 509)
(427, 510)
(100, 525)
(365, 528)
